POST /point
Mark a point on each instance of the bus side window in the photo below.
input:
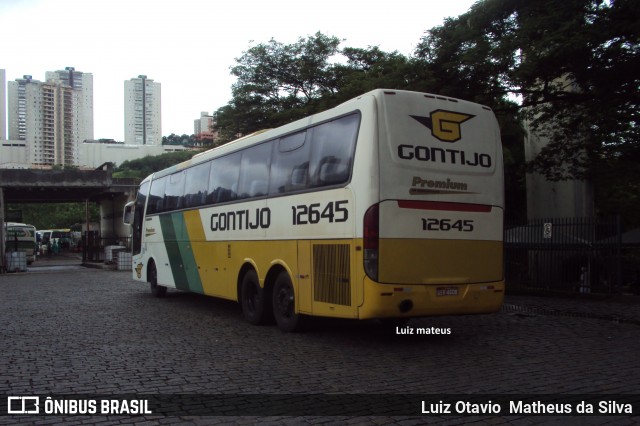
(333, 146)
(174, 192)
(299, 176)
(223, 179)
(330, 171)
(254, 171)
(290, 164)
(196, 185)
(156, 196)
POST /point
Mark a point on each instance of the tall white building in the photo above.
(142, 112)
(45, 118)
(3, 105)
(83, 108)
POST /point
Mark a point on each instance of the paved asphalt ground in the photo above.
(94, 333)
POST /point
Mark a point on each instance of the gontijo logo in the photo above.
(444, 125)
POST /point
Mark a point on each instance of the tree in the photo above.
(371, 68)
(299, 71)
(278, 83)
(57, 215)
(572, 62)
(173, 139)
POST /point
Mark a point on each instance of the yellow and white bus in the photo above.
(388, 206)
(21, 237)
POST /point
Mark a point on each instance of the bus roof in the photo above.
(265, 135)
(8, 224)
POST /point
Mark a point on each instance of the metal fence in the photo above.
(94, 246)
(571, 255)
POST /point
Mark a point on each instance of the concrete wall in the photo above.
(15, 154)
(547, 199)
(93, 155)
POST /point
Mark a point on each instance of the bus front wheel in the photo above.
(284, 306)
(255, 303)
(156, 290)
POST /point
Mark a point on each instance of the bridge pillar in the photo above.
(111, 227)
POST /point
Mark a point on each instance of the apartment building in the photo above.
(142, 111)
(83, 108)
(50, 118)
(41, 117)
(203, 129)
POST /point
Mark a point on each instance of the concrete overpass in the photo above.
(69, 185)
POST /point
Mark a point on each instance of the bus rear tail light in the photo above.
(371, 235)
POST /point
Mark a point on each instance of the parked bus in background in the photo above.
(21, 237)
(61, 237)
(389, 206)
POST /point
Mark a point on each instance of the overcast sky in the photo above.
(189, 45)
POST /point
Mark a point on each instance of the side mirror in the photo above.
(127, 214)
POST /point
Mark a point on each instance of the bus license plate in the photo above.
(447, 291)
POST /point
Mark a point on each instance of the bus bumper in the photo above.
(402, 300)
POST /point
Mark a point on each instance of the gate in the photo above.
(571, 255)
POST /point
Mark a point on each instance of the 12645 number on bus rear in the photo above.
(447, 225)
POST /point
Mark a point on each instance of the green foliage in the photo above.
(184, 140)
(57, 215)
(572, 62)
(278, 83)
(298, 71)
(371, 68)
(574, 66)
(143, 167)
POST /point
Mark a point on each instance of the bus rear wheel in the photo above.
(256, 305)
(284, 304)
(156, 290)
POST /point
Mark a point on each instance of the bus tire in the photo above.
(156, 290)
(256, 305)
(284, 304)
